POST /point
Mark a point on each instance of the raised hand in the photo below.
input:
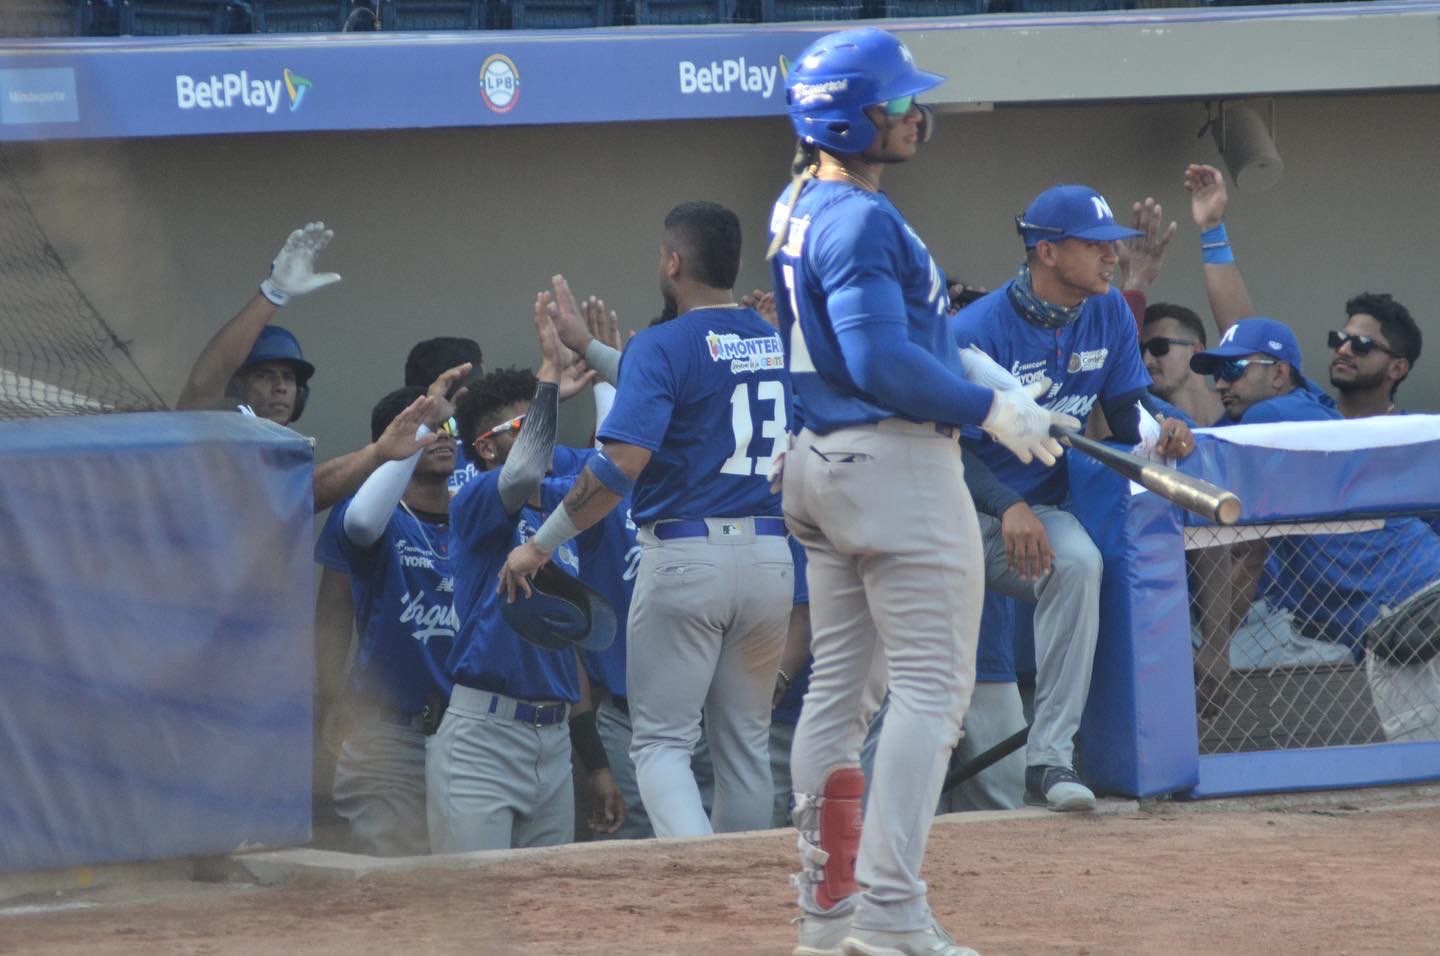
(399, 439)
(293, 272)
(603, 325)
(1141, 258)
(568, 320)
(439, 390)
(764, 303)
(1208, 196)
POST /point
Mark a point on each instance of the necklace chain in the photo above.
(850, 177)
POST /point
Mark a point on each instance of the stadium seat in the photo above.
(561, 14)
(777, 11)
(932, 8)
(683, 11)
(44, 18)
(300, 16)
(152, 18)
(433, 15)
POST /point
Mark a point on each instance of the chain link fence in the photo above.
(1315, 634)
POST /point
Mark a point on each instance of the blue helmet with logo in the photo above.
(276, 344)
(829, 86)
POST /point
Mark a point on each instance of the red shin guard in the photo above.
(840, 833)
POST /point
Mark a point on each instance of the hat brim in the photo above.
(1106, 232)
(1209, 360)
(562, 612)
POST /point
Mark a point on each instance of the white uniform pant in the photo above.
(707, 627)
(1067, 626)
(895, 567)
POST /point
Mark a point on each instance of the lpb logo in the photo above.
(499, 83)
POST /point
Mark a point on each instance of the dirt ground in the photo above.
(1329, 878)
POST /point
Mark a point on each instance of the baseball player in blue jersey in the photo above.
(392, 539)
(1059, 319)
(700, 411)
(498, 769)
(874, 490)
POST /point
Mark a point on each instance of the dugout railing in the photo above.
(1243, 660)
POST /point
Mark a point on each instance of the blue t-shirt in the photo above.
(1094, 358)
(707, 394)
(488, 654)
(402, 587)
(995, 654)
(849, 257)
(1307, 404)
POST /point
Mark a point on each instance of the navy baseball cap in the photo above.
(276, 344)
(1070, 212)
(1246, 337)
(561, 612)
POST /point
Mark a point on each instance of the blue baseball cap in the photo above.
(1070, 212)
(1246, 337)
(561, 612)
(276, 344)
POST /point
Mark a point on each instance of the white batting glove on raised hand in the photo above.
(293, 272)
(981, 369)
(1021, 425)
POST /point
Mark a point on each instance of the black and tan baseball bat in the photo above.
(1193, 494)
(959, 773)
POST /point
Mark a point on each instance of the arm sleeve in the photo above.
(604, 400)
(528, 460)
(375, 502)
(901, 375)
(604, 359)
(1123, 414)
(991, 495)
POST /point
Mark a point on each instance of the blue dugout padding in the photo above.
(156, 662)
(1139, 735)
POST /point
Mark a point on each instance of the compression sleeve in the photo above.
(374, 503)
(604, 394)
(604, 359)
(528, 460)
(992, 496)
(1123, 414)
(904, 377)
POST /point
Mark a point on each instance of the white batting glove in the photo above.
(1149, 435)
(1022, 426)
(293, 272)
(981, 369)
(776, 473)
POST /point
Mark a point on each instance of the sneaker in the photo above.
(821, 935)
(931, 941)
(1057, 788)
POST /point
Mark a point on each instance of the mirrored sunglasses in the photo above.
(1359, 344)
(898, 106)
(513, 425)
(1231, 369)
(1160, 345)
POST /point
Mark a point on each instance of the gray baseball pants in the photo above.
(615, 734)
(493, 782)
(707, 626)
(895, 567)
(380, 788)
(1067, 625)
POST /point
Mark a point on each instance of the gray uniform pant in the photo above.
(996, 712)
(895, 567)
(1407, 698)
(492, 782)
(615, 734)
(380, 788)
(707, 626)
(1067, 625)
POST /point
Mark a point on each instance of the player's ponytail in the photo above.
(802, 170)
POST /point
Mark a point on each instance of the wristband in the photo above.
(557, 529)
(1215, 246)
(276, 297)
(585, 742)
(610, 475)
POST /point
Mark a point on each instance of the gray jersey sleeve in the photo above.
(604, 360)
(523, 470)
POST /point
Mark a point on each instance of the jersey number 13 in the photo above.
(742, 422)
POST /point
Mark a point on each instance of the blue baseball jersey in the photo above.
(464, 471)
(788, 710)
(849, 256)
(707, 394)
(402, 587)
(1307, 404)
(488, 654)
(1094, 358)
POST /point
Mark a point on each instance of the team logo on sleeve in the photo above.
(746, 355)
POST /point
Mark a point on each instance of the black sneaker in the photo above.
(1057, 788)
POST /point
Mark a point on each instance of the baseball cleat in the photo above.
(821, 935)
(930, 941)
(1058, 788)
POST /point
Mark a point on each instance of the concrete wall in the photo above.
(453, 231)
